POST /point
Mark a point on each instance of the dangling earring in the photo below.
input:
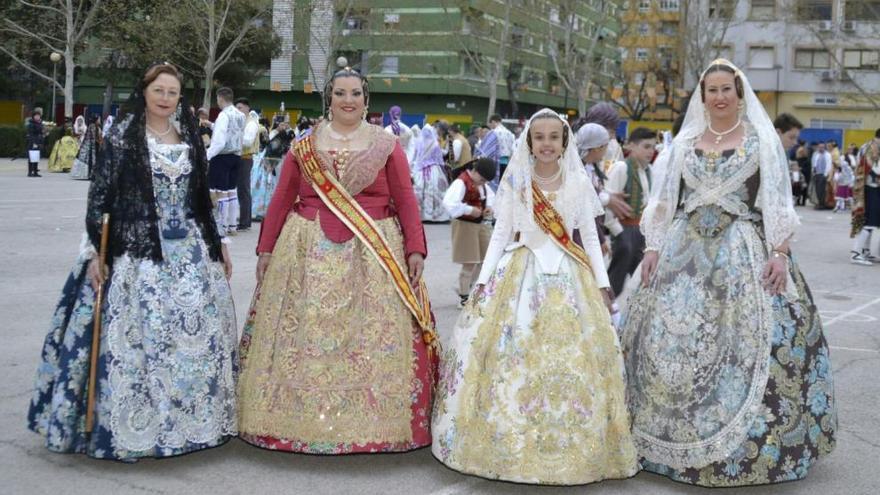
(330, 114)
(366, 112)
(740, 108)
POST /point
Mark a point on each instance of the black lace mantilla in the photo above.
(123, 187)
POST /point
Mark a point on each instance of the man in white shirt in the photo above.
(469, 202)
(250, 146)
(505, 142)
(224, 155)
(631, 179)
(822, 166)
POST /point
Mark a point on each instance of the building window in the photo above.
(836, 124)
(641, 54)
(390, 65)
(669, 5)
(862, 10)
(669, 28)
(824, 99)
(644, 29)
(644, 5)
(624, 53)
(861, 59)
(722, 9)
(638, 78)
(812, 58)
(762, 57)
(354, 23)
(470, 67)
(763, 9)
(815, 10)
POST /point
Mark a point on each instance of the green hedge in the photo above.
(12, 141)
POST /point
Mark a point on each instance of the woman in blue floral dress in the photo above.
(167, 363)
(729, 379)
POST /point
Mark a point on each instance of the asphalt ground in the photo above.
(41, 221)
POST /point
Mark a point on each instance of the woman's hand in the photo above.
(227, 261)
(606, 298)
(96, 273)
(649, 266)
(416, 265)
(262, 265)
(776, 274)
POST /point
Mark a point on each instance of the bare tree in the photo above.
(705, 31)
(330, 22)
(63, 28)
(221, 27)
(489, 67)
(577, 62)
(831, 39)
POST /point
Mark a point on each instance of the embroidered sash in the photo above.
(551, 223)
(350, 213)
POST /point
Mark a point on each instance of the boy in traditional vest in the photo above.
(632, 178)
(469, 202)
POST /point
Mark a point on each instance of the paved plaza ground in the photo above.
(41, 221)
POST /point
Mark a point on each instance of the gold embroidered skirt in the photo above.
(331, 362)
(531, 385)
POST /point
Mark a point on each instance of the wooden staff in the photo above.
(96, 329)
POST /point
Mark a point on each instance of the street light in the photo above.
(55, 57)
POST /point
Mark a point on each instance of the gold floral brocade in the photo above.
(331, 355)
(532, 388)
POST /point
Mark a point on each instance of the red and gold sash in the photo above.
(551, 223)
(350, 213)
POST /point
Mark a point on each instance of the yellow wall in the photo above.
(10, 112)
(848, 108)
(449, 117)
(857, 137)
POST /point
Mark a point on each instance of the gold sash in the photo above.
(350, 213)
(551, 223)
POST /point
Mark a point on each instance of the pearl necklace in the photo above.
(334, 134)
(159, 135)
(720, 135)
(546, 181)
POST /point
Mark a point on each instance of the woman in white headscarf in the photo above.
(531, 384)
(729, 380)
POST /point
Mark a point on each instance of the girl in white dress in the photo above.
(532, 386)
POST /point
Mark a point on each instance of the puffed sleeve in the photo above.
(282, 202)
(400, 184)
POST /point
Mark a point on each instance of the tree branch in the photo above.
(30, 67)
(22, 31)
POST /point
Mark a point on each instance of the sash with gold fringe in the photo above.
(551, 223)
(350, 213)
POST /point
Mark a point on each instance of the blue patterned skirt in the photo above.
(167, 364)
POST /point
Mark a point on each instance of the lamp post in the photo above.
(55, 57)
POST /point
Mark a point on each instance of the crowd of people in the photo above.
(624, 308)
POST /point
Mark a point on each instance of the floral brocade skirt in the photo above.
(532, 382)
(332, 362)
(167, 363)
(728, 386)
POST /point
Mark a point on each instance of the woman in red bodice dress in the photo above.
(333, 360)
